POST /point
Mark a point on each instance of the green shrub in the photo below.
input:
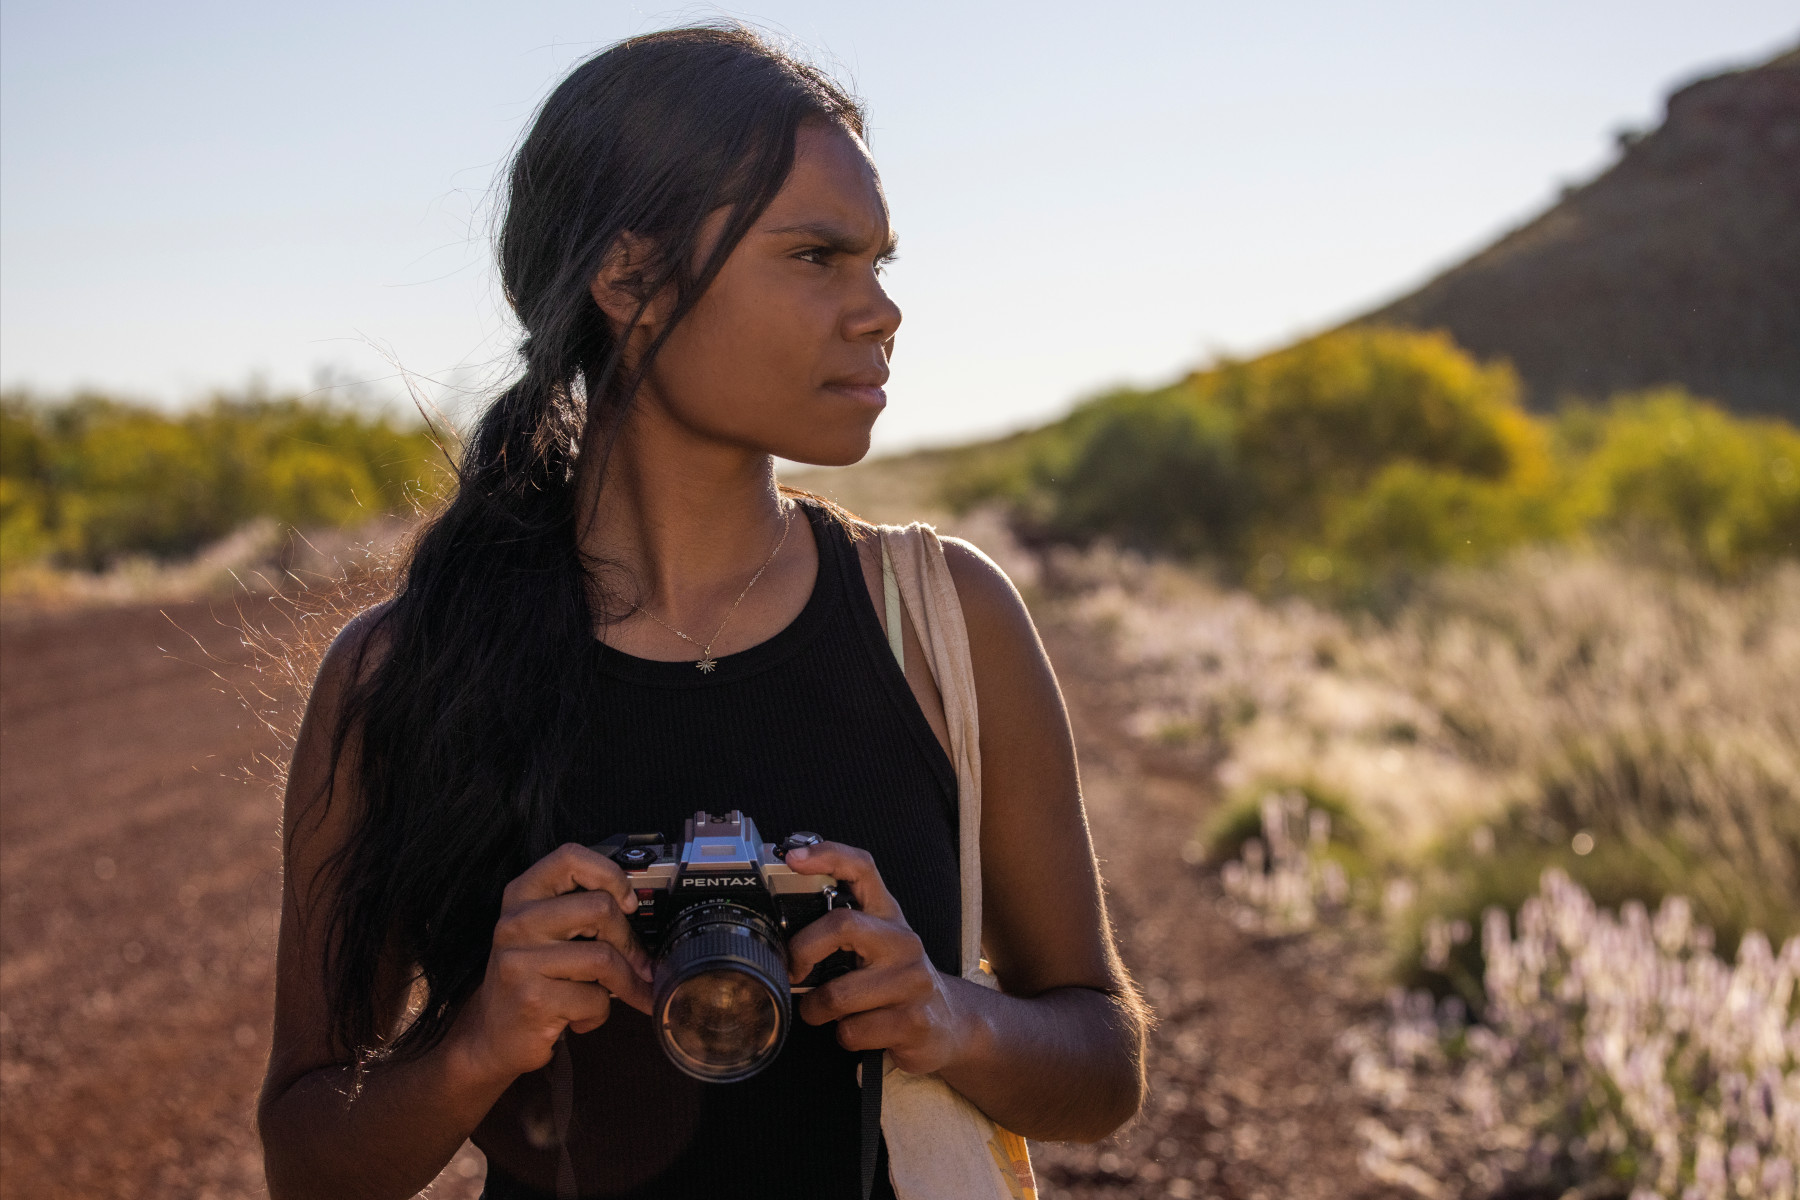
(23, 537)
(1269, 460)
(131, 481)
(1413, 517)
(1155, 471)
(87, 481)
(1364, 456)
(1322, 420)
(1672, 471)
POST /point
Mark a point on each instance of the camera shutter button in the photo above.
(634, 857)
(795, 840)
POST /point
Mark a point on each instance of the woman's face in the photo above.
(787, 350)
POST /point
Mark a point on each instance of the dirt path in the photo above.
(1248, 1100)
(138, 894)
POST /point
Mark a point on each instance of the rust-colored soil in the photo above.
(138, 893)
(138, 875)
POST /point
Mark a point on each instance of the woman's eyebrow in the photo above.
(838, 239)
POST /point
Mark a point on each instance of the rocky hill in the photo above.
(1679, 264)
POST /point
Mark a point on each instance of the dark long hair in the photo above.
(461, 726)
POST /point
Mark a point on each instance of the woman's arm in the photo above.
(391, 1137)
(1059, 1054)
(331, 1131)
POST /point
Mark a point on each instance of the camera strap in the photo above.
(869, 1075)
(562, 1108)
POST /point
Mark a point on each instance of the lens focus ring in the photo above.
(721, 993)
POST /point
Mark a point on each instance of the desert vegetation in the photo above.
(90, 483)
(1468, 788)
(1478, 692)
(1348, 465)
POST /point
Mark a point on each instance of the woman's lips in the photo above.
(863, 393)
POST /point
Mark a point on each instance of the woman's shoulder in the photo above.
(357, 650)
(992, 606)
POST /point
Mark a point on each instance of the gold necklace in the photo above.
(707, 663)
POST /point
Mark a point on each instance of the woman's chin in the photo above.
(837, 452)
(836, 443)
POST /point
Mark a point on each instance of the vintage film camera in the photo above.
(715, 912)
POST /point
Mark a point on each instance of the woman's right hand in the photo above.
(542, 977)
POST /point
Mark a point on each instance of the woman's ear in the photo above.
(618, 286)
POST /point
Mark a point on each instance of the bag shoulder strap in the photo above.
(890, 594)
(915, 572)
(932, 1126)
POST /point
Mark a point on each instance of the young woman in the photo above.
(620, 619)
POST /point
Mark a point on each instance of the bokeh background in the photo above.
(1388, 412)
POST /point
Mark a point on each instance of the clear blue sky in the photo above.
(190, 193)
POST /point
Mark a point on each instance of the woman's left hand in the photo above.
(895, 1000)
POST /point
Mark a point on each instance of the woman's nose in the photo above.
(876, 319)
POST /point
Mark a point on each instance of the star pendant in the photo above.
(706, 665)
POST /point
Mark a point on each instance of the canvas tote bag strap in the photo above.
(940, 1146)
(922, 578)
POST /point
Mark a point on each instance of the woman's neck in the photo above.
(680, 522)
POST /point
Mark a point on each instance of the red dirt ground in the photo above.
(138, 893)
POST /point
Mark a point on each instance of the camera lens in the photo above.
(722, 1020)
(721, 993)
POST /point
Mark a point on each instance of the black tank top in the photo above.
(815, 729)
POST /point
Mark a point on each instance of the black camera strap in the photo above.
(869, 1072)
(562, 1108)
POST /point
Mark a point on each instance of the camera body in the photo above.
(715, 911)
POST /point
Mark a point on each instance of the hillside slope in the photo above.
(1679, 264)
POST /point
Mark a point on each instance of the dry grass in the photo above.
(1555, 695)
(1637, 725)
(259, 558)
